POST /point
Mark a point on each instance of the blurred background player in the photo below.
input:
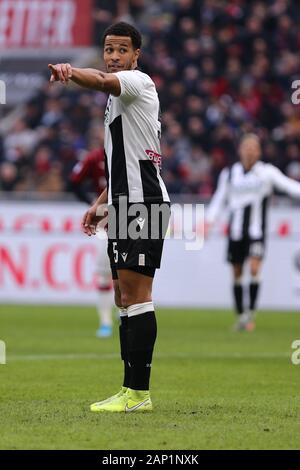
(245, 188)
(86, 180)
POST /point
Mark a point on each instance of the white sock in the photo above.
(105, 306)
(138, 309)
(123, 312)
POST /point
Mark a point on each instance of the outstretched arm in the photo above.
(283, 183)
(86, 78)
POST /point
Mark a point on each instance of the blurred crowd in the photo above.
(221, 68)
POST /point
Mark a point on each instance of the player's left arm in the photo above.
(87, 78)
(96, 213)
(283, 183)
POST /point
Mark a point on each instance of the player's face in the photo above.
(119, 54)
(250, 152)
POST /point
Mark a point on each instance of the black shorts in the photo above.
(145, 270)
(239, 251)
(136, 235)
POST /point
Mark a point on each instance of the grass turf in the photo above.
(211, 388)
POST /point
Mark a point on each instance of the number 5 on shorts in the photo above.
(116, 254)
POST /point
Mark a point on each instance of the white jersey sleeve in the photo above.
(282, 182)
(132, 82)
(219, 198)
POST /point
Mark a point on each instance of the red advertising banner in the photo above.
(45, 23)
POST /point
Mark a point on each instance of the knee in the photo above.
(118, 301)
(254, 273)
(255, 269)
(126, 299)
(123, 298)
(237, 273)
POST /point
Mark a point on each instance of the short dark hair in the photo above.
(124, 29)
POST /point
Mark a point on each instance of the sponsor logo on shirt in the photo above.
(154, 157)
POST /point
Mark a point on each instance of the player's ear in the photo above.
(137, 53)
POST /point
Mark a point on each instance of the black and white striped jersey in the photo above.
(246, 194)
(132, 141)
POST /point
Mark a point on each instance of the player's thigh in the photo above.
(255, 265)
(134, 287)
(237, 252)
(118, 296)
(237, 270)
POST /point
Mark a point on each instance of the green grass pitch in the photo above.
(211, 388)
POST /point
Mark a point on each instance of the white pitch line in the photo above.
(50, 357)
(76, 357)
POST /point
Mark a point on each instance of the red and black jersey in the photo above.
(91, 169)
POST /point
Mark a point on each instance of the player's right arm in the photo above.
(95, 214)
(87, 78)
(218, 199)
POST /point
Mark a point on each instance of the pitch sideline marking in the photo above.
(75, 357)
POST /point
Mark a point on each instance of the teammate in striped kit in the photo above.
(245, 188)
(134, 192)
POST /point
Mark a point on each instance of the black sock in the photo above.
(238, 298)
(142, 331)
(253, 290)
(123, 332)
